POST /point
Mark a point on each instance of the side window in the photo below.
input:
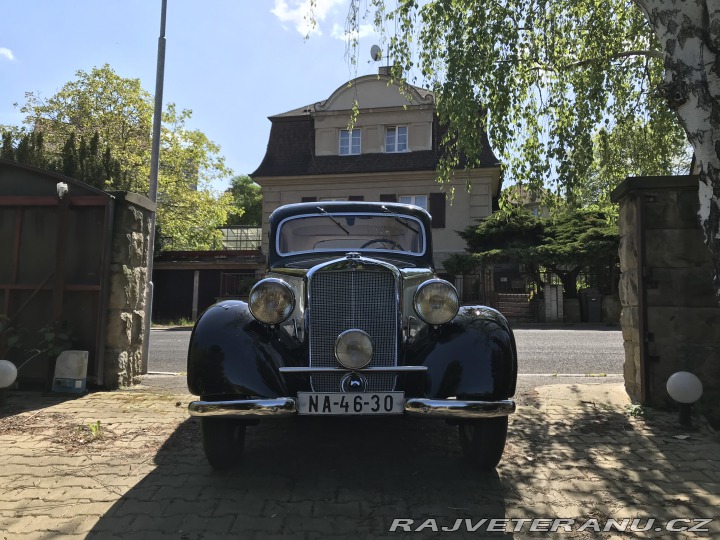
(396, 139)
(417, 200)
(349, 142)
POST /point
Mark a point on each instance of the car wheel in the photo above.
(483, 441)
(223, 441)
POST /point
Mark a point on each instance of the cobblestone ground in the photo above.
(573, 452)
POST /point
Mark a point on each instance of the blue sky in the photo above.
(232, 62)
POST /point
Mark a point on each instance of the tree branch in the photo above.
(649, 53)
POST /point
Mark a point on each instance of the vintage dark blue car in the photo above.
(352, 320)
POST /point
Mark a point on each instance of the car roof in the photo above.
(298, 209)
(340, 207)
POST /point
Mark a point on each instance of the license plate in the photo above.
(337, 403)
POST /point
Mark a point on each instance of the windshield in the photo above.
(350, 232)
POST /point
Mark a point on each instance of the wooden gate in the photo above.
(54, 254)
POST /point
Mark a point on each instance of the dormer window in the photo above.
(396, 139)
(349, 142)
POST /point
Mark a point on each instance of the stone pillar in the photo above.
(630, 296)
(128, 279)
(670, 314)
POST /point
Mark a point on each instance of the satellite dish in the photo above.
(376, 53)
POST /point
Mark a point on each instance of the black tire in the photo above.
(483, 441)
(223, 441)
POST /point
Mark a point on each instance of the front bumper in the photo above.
(278, 407)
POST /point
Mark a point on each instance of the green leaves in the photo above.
(97, 129)
(546, 76)
(246, 202)
(510, 229)
(567, 242)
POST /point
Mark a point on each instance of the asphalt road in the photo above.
(546, 356)
(568, 355)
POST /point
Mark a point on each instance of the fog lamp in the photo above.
(353, 349)
(271, 301)
(685, 388)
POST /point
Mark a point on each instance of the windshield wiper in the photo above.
(400, 220)
(335, 221)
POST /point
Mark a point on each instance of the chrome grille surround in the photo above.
(353, 294)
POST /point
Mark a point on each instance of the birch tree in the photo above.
(550, 74)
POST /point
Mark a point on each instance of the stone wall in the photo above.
(611, 309)
(125, 329)
(670, 314)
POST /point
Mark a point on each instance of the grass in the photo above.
(95, 429)
(182, 321)
(635, 411)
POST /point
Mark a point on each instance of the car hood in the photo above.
(300, 268)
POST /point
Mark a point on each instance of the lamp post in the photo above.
(686, 389)
(153, 183)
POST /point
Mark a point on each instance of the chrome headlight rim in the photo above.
(274, 282)
(419, 291)
(345, 335)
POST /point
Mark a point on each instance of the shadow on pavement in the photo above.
(350, 478)
(15, 403)
(312, 478)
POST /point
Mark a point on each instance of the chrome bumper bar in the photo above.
(452, 408)
(246, 408)
(429, 408)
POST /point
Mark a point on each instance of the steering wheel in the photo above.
(386, 241)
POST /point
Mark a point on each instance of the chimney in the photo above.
(386, 70)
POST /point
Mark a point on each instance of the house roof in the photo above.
(291, 145)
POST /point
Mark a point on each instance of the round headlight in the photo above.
(436, 301)
(271, 301)
(353, 349)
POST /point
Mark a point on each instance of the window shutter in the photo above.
(388, 197)
(309, 199)
(356, 198)
(436, 207)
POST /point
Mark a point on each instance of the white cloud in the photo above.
(6, 53)
(298, 13)
(338, 32)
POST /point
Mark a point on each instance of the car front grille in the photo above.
(341, 300)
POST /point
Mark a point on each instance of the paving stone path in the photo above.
(129, 464)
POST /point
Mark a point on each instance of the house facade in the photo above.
(391, 154)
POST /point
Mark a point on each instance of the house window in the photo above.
(322, 199)
(417, 200)
(349, 142)
(396, 139)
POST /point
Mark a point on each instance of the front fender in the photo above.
(472, 357)
(232, 354)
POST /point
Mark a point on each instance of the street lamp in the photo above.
(686, 389)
